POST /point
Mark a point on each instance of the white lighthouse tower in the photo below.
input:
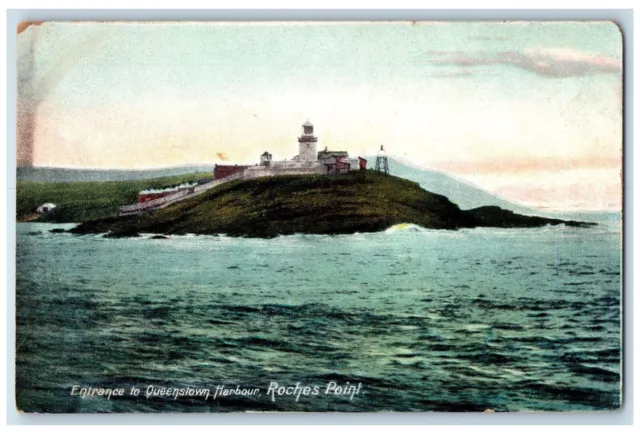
(307, 143)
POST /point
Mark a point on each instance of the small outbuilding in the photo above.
(362, 163)
(336, 165)
(46, 208)
(326, 154)
(265, 159)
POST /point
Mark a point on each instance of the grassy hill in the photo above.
(82, 201)
(318, 204)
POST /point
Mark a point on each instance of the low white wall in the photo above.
(267, 172)
(297, 164)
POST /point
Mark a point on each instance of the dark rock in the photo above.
(123, 234)
(494, 216)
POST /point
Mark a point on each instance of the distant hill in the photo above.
(57, 174)
(468, 196)
(463, 194)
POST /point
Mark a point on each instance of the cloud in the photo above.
(452, 73)
(571, 196)
(549, 62)
(222, 156)
(490, 38)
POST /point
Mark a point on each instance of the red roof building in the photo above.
(362, 163)
(222, 171)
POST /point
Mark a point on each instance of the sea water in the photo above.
(420, 320)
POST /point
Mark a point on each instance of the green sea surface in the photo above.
(424, 320)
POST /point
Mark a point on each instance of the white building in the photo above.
(45, 208)
(308, 160)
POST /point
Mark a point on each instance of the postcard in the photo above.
(319, 217)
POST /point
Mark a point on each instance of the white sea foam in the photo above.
(405, 227)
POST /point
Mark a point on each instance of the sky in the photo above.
(530, 111)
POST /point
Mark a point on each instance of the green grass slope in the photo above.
(82, 201)
(319, 204)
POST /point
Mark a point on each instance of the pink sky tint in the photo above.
(532, 164)
(579, 196)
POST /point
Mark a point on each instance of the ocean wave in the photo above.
(405, 227)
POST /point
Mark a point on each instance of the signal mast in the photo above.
(382, 164)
